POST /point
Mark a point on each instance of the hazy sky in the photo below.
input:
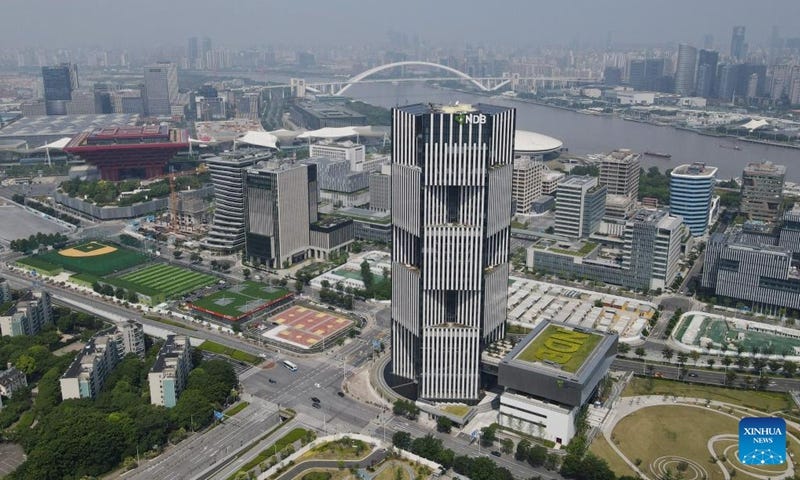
(116, 23)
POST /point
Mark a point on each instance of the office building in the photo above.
(340, 185)
(380, 189)
(11, 380)
(160, 88)
(550, 181)
(369, 225)
(751, 268)
(690, 190)
(706, 73)
(646, 74)
(647, 260)
(319, 115)
(580, 206)
(738, 46)
(685, 70)
(354, 153)
(526, 182)
(228, 176)
(612, 76)
(192, 53)
(168, 376)
(281, 203)
(744, 80)
(29, 316)
(762, 191)
(59, 82)
(451, 218)
(619, 172)
(330, 235)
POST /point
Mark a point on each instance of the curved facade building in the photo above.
(451, 219)
(228, 176)
(691, 188)
(685, 70)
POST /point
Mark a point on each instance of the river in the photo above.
(584, 134)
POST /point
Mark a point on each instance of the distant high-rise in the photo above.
(580, 206)
(451, 220)
(762, 191)
(685, 70)
(645, 74)
(161, 88)
(612, 76)
(192, 53)
(708, 41)
(59, 83)
(691, 188)
(738, 47)
(619, 171)
(706, 73)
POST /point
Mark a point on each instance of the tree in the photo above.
(121, 293)
(789, 368)
(298, 286)
(710, 362)
(639, 352)
(488, 435)
(507, 445)
(26, 364)
(730, 377)
(623, 348)
(246, 273)
(695, 356)
(522, 449)
(133, 297)
(726, 360)
(682, 357)
(177, 254)
(444, 424)
(667, 353)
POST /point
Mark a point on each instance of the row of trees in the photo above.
(379, 288)
(119, 292)
(46, 209)
(405, 408)
(338, 299)
(27, 245)
(480, 468)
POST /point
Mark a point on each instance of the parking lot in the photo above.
(11, 456)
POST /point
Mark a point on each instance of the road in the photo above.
(703, 376)
(373, 458)
(198, 453)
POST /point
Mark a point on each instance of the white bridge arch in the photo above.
(361, 76)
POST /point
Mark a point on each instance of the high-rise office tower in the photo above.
(451, 220)
(526, 184)
(738, 47)
(228, 176)
(281, 205)
(685, 70)
(708, 41)
(645, 74)
(762, 191)
(192, 53)
(619, 171)
(706, 73)
(691, 188)
(59, 83)
(580, 206)
(161, 88)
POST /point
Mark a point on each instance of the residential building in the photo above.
(87, 373)
(160, 88)
(168, 376)
(380, 189)
(762, 191)
(580, 206)
(59, 83)
(685, 70)
(29, 317)
(228, 176)
(281, 203)
(526, 182)
(619, 172)
(451, 219)
(129, 338)
(11, 380)
(5, 292)
(691, 187)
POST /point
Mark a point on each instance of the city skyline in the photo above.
(591, 23)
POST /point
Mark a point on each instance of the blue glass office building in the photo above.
(691, 188)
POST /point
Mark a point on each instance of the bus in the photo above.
(291, 366)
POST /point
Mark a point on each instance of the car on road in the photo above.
(315, 400)
(658, 375)
(340, 393)
(495, 453)
(692, 374)
(272, 380)
(316, 405)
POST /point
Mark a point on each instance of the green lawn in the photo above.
(764, 401)
(562, 346)
(236, 408)
(457, 410)
(232, 301)
(101, 265)
(672, 430)
(235, 354)
(167, 280)
(602, 449)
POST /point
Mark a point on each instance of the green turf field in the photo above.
(163, 279)
(240, 299)
(100, 265)
(562, 346)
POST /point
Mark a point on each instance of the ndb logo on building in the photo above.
(471, 118)
(762, 441)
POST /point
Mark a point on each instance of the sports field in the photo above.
(305, 327)
(240, 300)
(166, 280)
(95, 258)
(563, 346)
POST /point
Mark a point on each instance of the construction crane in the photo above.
(171, 177)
